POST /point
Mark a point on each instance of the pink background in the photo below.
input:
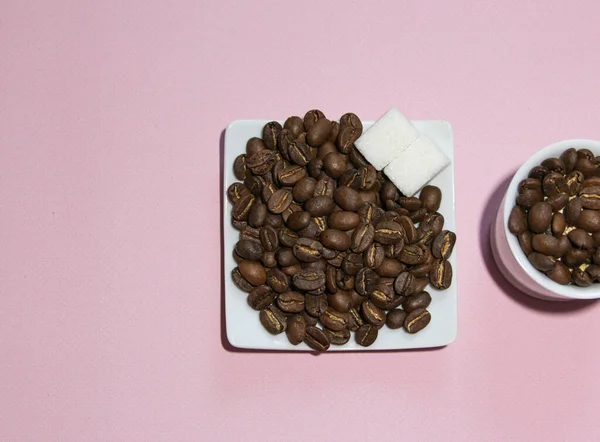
(111, 114)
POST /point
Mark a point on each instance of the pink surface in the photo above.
(110, 121)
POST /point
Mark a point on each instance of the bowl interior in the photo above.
(554, 150)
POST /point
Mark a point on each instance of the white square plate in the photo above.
(244, 330)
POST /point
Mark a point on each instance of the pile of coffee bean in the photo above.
(326, 238)
(557, 217)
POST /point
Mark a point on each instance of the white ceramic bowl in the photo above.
(511, 260)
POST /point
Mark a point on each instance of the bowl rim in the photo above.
(552, 150)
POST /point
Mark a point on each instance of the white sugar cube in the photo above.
(416, 166)
(386, 138)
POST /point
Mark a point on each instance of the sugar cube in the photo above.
(386, 138)
(416, 165)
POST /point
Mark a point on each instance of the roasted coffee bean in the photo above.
(242, 207)
(410, 203)
(417, 320)
(290, 175)
(539, 172)
(355, 320)
(337, 337)
(257, 215)
(295, 125)
(315, 168)
(333, 319)
(237, 258)
(569, 159)
(319, 205)
(525, 242)
(325, 149)
(270, 133)
(389, 192)
(441, 274)
(273, 320)
(352, 263)
(310, 320)
(589, 220)
(554, 183)
(517, 221)
(335, 239)
(586, 166)
(319, 265)
(340, 301)
(367, 176)
(350, 178)
(307, 250)
(546, 244)
(304, 189)
(529, 183)
(285, 257)
(240, 281)
(250, 234)
(316, 338)
(343, 220)
(413, 254)
(318, 132)
(236, 191)
(369, 213)
(418, 215)
(560, 273)
(278, 280)
(366, 335)
(268, 238)
(311, 231)
(372, 314)
(254, 145)
(554, 165)
(279, 201)
(362, 237)
(329, 253)
(393, 250)
(347, 198)
(299, 153)
(403, 284)
(250, 250)
(596, 257)
(390, 268)
(333, 134)
(292, 269)
(382, 296)
(563, 245)
(253, 272)
(590, 197)
(287, 237)
(334, 164)
(255, 184)
(356, 158)
(443, 244)
(325, 186)
(435, 221)
(529, 197)
(580, 239)
(309, 280)
(594, 272)
(573, 211)
(575, 257)
(423, 269)
(596, 238)
(268, 259)
(344, 281)
(581, 278)
(291, 302)
(261, 297)
(592, 181)
(272, 220)
(373, 256)
(315, 305)
(539, 217)
(261, 162)
(239, 167)
(311, 117)
(431, 198)
(296, 329)
(558, 202)
(574, 182)
(417, 301)
(540, 261)
(395, 319)
(350, 129)
(298, 220)
(364, 281)
(388, 232)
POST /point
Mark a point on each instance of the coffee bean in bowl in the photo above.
(323, 237)
(543, 238)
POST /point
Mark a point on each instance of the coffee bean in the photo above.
(431, 198)
(580, 277)
(325, 149)
(364, 281)
(586, 166)
(417, 286)
(296, 329)
(546, 244)
(441, 274)
(290, 175)
(352, 263)
(390, 268)
(574, 182)
(393, 250)
(316, 339)
(560, 273)
(237, 258)
(554, 183)
(589, 220)
(417, 320)
(343, 220)
(366, 335)
(273, 220)
(309, 280)
(291, 302)
(249, 250)
(269, 239)
(539, 172)
(285, 257)
(295, 125)
(554, 165)
(596, 238)
(257, 215)
(242, 207)
(594, 272)
(254, 145)
(340, 301)
(344, 281)
(382, 296)
(279, 201)
(270, 133)
(273, 320)
(240, 281)
(337, 337)
(410, 203)
(355, 320)
(580, 239)
(307, 250)
(253, 272)
(236, 191)
(287, 237)
(261, 162)
(372, 314)
(540, 261)
(318, 265)
(333, 319)
(539, 217)
(417, 301)
(239, 167)
(596, 257)
(569, 158)
(334, 164)
(592, 181)
(395, 319)
(250, 234)
(319, 205)
(348, 198)
(575, 257)
(299, 153)
(304, 189)
(402, 284)
(423, 269)
(315, 168)
(350, 178)
(318, 132)
(261, 297)
(413, 254)
(325, 186)
(573, 211)
(517, 221)
(373, 256)
(590, 197)
(311, 231)
(529, 197)
(388, 232)
(362, 237)
(278, 280)
(268, 259)
(298, 220)
(315, 305)
(558, 202)
(335, 239)
(350, 130)
(443, 244)
(311, 117)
